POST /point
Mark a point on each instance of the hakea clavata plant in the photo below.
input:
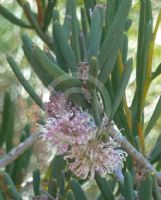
(74, 134)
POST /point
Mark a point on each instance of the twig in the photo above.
(22, 147)
(19, 150)
(126, 145)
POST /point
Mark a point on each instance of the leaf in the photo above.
(157, 72)
(155, 116)
(57, 166)
(95, 34)
(38, 69)
(145, 189)
(24, 82)
(156, 190)
(36, 181)
(128, 183)
(10, 17)
(7, 182)
(66, 50)
(63, 80)
(84, 21)
(77, 190)
(7, 126)
(70, 195)
(155, 154)
(104, 187)
(75, 31)
(48, 14)
(111, 43)
(121, 90)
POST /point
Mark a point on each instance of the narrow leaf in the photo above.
(104, 187)
(128, 183)
(77, 190)
(111, 43)
(36, 182)
(95, 34)
(24, 82)
(65, 48)
(145, 189)
(121, 90)
(155, 116)
(13, 19)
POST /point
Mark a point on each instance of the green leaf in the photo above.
(57, 166)
(84, 21)
(66, 50)
(66, 81)
(121, 90)
(111, 43)
(95, 34)
(157, 72)
(145, 189)
(89, 6)
(104, 187)
(67, 26)
(156, 190)
(106, 100)
(22, 162)
(128, 183)
(24, 82)
(75, 31)
(10, 17)
(1, 196)
(110, 13)
(36, 181)
(7, 126)
(36, 25)
(38, 69)
(48, 14)
(53, 187)
(155, 154)
(70, 195)
(77, 190)
(155, 116)
(10, 187)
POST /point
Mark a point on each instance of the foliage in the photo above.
(98, 39)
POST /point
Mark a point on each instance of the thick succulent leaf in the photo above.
(7, 126)
(145, 189)
(111, 43)
(39, 70)
(155, 154)
(48, 14)
(95, 34)
(155, 116)
(121, 90)
(24, 82)
(104, 187)
(128, 183)
(36, 182)
(9, 186)
(77, 190)
(64, 46)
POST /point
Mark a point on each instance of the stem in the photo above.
(19, 150)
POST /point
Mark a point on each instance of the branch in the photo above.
(126, 145)
(22, 147)
(19, 150)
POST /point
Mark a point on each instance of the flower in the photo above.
(57, 105)
(76, 127)
(95, 156)
(74, 134)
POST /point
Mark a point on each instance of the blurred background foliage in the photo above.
(26, 110)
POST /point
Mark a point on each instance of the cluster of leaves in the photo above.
(100, 40)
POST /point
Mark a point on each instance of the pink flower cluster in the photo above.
(73, 133)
